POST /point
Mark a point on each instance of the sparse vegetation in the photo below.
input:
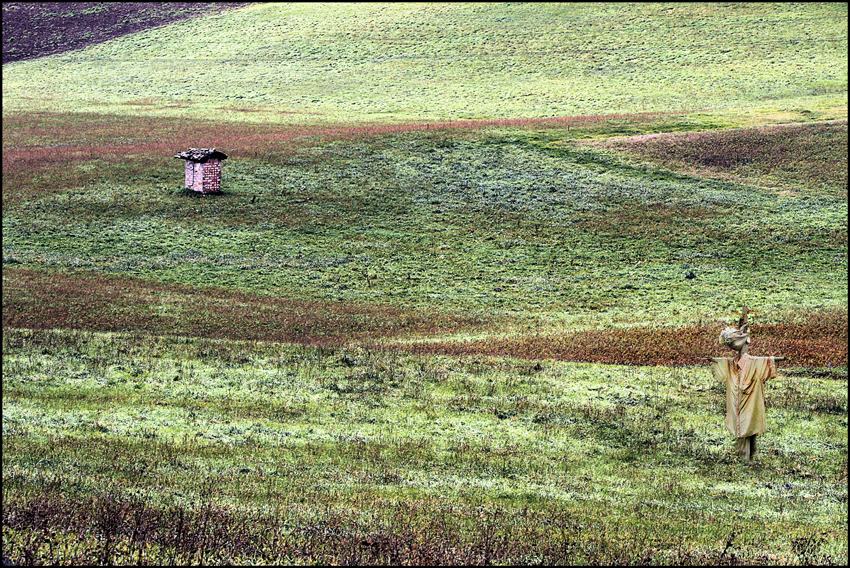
(132, 448)
(442, 313)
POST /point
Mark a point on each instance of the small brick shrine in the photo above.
(203, 169)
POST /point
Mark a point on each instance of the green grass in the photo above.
(314, 454)
(495, 223)
(296, 62)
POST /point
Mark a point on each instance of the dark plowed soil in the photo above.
(36, 29)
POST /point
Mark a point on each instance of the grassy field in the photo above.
(506, 225)
(129, 448)
(452, 304)
(407, 61)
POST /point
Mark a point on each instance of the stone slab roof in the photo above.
(201, 154)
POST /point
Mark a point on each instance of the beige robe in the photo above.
(744, 379)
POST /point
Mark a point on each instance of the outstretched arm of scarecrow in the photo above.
(713, 358)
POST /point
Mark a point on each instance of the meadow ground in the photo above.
(402, 397)
(453, 325)
(401, 62)
(131, 448)
(503, 229)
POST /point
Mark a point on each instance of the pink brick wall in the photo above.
(204, 177)
(212, 176)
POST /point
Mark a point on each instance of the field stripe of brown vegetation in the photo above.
(808, 155)
(95, 302)
(815, 339)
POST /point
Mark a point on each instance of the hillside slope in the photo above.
(36, 29)
(286, 62)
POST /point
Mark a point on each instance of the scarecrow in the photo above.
(744, 376)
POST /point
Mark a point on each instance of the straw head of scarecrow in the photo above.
(736, 338)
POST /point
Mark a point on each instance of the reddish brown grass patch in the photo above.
(806, 339)
(811, 155)
(661, 222)
(97, 302)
